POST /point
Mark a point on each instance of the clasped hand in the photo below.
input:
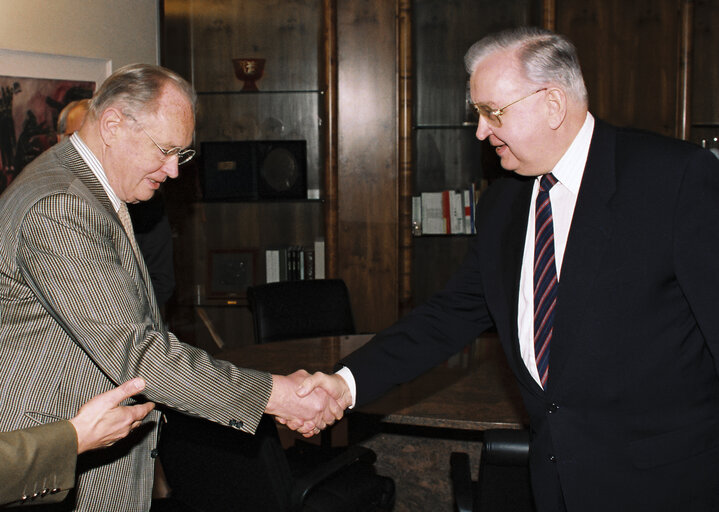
(308, 403)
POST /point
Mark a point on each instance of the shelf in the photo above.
(250, 93)
(240, 302)
(463, 126)
(705, 125)
(263, 201)
(443, 235)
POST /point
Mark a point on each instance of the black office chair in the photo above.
(300, 309)
(210, 467)
(503, 481)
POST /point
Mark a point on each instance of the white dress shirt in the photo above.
(563, 196)
(96, 167)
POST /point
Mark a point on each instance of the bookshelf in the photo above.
(445, 154)
(221, 239)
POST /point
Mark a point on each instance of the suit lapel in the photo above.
(74, 162)
(512, 248)
(589, 233)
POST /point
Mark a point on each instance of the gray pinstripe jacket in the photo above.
(61, 240)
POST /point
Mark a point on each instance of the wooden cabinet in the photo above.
(446, 154)
(630, 56)
(704, 73)
(378, 90)
(293, 101)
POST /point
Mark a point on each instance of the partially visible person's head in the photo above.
(71, 118)
(143, 119)
(527, 85)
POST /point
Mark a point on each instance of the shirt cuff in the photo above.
(346, 374)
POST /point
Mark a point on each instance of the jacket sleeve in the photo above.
(38, 464)
(80, 261)
(425, 337)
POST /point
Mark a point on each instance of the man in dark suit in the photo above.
(616, 350)
(39, 462)
(79, 314)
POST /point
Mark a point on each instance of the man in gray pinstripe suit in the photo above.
(78, 311)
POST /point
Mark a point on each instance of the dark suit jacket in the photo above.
(61, 242)
(38, 464)
(629, 419)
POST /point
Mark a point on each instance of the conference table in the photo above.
(472, 391)
(419, 423)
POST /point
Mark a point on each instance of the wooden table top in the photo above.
(474, 390)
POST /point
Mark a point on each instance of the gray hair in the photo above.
(136, 87)
(545, 57)
(65, 112)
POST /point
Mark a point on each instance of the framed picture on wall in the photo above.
(34, 88)
(230, 273)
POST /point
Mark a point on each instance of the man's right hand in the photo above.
(307, 415)
(103, 421)
(334, 385)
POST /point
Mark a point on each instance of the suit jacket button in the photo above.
(552, 408)
(552, 458)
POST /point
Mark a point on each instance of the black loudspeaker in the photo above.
(246, 170)
(281, 169)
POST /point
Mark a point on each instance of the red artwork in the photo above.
(28, 118)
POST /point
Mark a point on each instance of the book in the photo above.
(272, 264)
(309, 262)
(319, 259)
(467, 211)
(473, 208)
(456, 213)
(433, 222)
(416, 215)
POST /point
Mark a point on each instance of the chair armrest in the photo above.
(506, 447)
(461, 477)
(306, 483)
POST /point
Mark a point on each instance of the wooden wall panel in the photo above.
(284, 32)
(705, 73)
(447, 154)
(175, 47)
(705, 69)
(629, 54)
(443, 32)
(367, 217)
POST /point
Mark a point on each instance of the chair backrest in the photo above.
(503, 482)
(211, 467)
(300, 309)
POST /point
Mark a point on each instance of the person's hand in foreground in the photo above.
(103, 421)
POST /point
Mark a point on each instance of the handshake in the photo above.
(308, 403)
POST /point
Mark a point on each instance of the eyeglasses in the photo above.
(494, 116)
(183, 155)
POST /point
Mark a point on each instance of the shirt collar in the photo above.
(570, 168)
(96, 167)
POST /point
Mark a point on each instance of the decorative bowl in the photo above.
(249, 70)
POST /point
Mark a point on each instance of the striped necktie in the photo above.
(545, 277)
(124, 215)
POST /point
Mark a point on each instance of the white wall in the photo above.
(121, 31)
